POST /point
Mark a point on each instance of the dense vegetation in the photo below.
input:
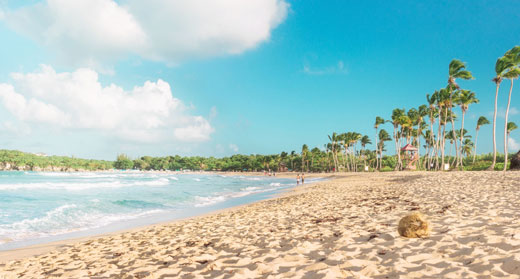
(17, 160)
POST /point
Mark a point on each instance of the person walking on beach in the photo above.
(298, 179)
(303, 178)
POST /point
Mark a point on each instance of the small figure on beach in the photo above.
(303, 178)
(298, 179)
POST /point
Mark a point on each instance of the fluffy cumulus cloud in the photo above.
(88, 31)
(77, 100)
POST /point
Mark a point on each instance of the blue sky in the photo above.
(290, 73)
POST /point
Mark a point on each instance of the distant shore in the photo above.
(345, 227)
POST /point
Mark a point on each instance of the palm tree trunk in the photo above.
(444, 138)
(462, 136)
(454, 140)
(475, 149)
(437, 142)
(377, 158)
(492, 167)
(505, 126)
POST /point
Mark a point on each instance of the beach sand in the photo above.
(342, 228)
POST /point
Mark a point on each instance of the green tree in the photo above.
(513, 56)
(379, 121)
(511, 126)
(465, 98)
(123, 162)
(501, 67)
(457, 69)
(480, 122)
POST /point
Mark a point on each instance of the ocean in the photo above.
(39, 207)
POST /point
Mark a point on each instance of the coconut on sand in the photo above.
(414, 225)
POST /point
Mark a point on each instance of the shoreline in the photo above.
(38, 249)
(340, 228)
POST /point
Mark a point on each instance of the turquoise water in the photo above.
(43, 206)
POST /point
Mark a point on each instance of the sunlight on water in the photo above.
(35, 205)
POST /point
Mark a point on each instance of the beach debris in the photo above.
(326, 219)
(444, 209)
(414, 225)
(372, 236)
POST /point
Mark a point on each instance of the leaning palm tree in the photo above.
(379, 121)
(481, 122)
(513, 56)
(457, 69)
(501, 67)
(467, 146)
(465, 98)
(511, 126)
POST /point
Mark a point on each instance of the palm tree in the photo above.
(432, 111)
(379, 121)
(334, 148)
(501, 67)
(305, 150)
(513, 56)
(422, 112)
(396, 115)
(467, 146)
(465, 98)
(481, 122)
(457, 69)
(364, 141)
(511, 126)
(443, 101)
(383, 136)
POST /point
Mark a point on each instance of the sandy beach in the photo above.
(342, 228)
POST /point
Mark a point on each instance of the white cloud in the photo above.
(85, 32)
(501, 112)
(512, 144)
(233, 147)
(76, 100)
(339, 68)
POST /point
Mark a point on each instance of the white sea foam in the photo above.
(64, 219)
(78, 186)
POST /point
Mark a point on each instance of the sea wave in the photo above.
(78, 186)
(64, 219)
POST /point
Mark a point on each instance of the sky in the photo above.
(96, 78)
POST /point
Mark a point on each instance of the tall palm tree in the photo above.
(334, 148)
(305, 150)
(457, 69)
(432, 115)
(396, 115)
(443, 101)
(511, 126)
(383, 136)
(513, 55)
(379, 121)
(501, 67)
(364, 141)
(465, 98)
(422, 112)
(480, 122)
